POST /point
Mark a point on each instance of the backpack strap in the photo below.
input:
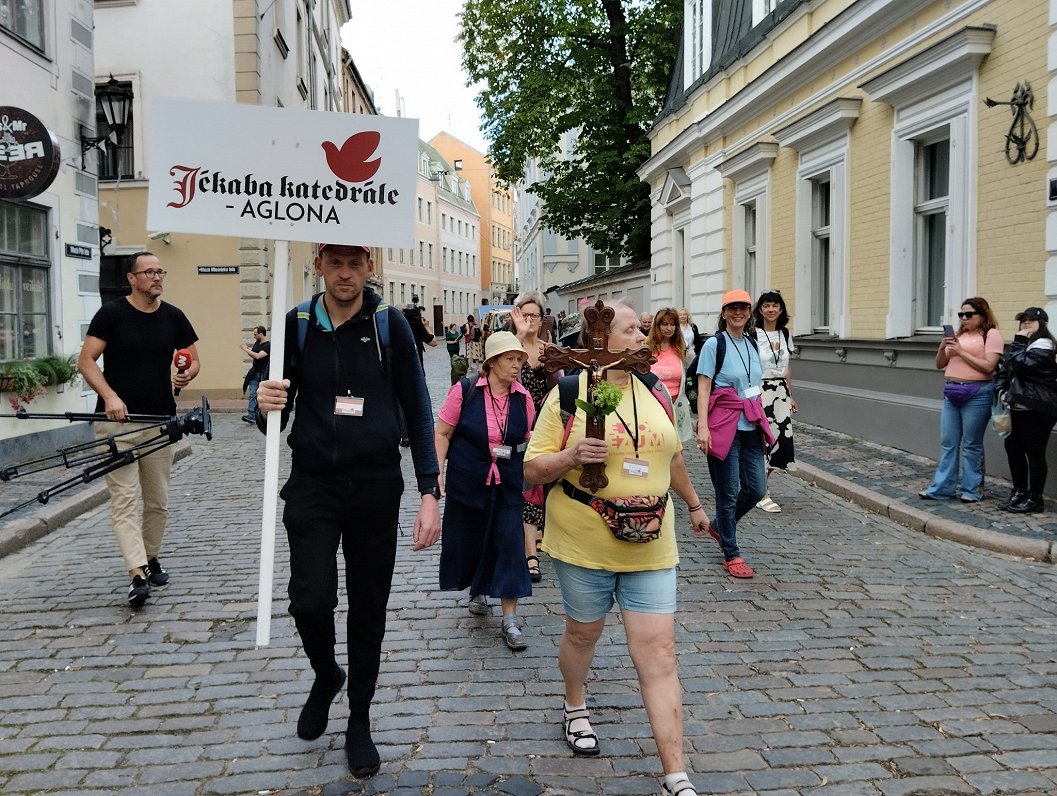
(568, 390)
(660, 392)
(307, 308)
(468, 383)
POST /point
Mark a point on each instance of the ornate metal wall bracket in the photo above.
(1022, 140)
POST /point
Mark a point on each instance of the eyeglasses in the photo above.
(532, 316)
(771, 290)
(964, 315)
(738, 306)
(152, 273)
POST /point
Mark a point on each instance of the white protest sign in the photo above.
(281, 173)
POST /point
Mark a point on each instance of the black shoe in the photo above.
(360, 749)
(249, 419)
(1015, 496)
(316, 713)
(1029, 504)
(138, 591)
(156, 576)
(405, 442)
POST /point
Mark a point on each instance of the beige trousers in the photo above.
(138, 537)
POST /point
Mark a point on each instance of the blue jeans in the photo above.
(739, 481)
(962, 431)
(251, 390)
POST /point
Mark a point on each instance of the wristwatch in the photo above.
(435, 491)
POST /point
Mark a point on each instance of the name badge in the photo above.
(502, 451)
(636, 468)
(752, 392)
(348, 406)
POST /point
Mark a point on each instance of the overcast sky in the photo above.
(409, 46)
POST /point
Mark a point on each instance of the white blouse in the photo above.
(774, 353)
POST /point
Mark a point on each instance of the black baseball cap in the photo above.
(1034, 314)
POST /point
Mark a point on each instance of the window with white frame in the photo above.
(697, 39)
(822, 139)
(936, 97)
(750, 171)
(25, 19)
(760, 9)
(931, 204)
(820, 253)
(25, 266)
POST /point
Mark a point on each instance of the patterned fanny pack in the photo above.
(629, 519)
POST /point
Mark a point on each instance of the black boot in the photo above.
(1029, 504)
(313, 719)
(359, 747)
(1015, 496)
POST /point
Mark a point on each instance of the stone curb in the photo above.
(20, 532)
(918, 520)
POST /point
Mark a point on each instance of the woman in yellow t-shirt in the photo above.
(643, 458)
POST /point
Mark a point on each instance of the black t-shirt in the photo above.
(137, 361)
(260, 366)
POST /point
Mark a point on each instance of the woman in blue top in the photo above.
(731, 422)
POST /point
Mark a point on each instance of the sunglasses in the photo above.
(964, 315)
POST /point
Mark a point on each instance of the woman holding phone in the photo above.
(968, 358)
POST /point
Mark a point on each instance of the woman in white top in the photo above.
(776, 347)
(691, 336)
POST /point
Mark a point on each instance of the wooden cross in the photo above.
(596, 359)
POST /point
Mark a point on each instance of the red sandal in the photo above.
(737, 568)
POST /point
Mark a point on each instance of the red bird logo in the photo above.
(350, 163)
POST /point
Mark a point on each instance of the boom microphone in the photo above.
(182, 360)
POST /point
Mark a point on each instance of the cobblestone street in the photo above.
(865, 659)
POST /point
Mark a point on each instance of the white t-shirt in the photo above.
(774, 353)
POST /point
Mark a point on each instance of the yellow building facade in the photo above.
(846, 153)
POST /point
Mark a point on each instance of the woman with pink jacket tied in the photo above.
(732, 429)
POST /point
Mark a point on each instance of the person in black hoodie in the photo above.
(1027, 383)
(345, 481)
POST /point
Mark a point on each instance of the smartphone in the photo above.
(948, 330)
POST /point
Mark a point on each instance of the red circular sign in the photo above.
(29, 154)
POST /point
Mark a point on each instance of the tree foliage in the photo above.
(598, 68)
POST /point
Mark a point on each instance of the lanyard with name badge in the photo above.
(634, 467)
(347, 405)
(753, 391)
(500, 451)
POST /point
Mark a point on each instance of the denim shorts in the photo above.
(588, 594)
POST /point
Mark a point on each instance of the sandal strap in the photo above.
(684, 788)
(572, 736)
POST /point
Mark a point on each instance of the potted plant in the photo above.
(27, 378)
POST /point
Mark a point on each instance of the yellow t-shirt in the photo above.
(575, 533)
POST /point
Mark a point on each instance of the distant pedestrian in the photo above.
(1027, 382)
(452, 339)
(259, 352)
(549, 328)
(645, 322)
(483, 442)
(471, 336)
(525, 317)
(968, 360)
(137, 337)
(666, 342)
(345, 481)
(692, 337)
(771, 319)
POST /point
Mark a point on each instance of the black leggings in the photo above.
(1026, 449)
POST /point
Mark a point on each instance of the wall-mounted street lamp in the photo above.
(116, 102)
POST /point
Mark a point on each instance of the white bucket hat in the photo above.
(499, 343)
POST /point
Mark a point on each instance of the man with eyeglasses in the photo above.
(139, 334)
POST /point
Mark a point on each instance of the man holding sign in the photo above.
(349, 369)
(138, 335)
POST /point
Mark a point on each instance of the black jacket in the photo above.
(1029, 376)
(346, 361)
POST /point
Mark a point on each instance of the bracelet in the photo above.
(698, 507)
